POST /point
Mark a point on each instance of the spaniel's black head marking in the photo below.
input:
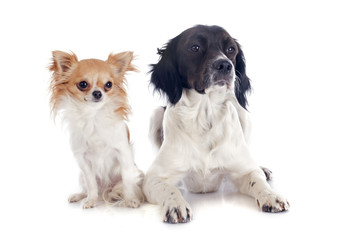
(198, 58)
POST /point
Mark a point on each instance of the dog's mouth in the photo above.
(96, 100)
(222, 83)
(210, 84)
(92, 100)
(228, 83)
(215, 79)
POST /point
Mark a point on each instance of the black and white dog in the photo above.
(202, 134)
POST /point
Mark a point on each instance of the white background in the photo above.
(291, 52)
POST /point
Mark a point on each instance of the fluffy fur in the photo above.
(205, 126)
(90, 97)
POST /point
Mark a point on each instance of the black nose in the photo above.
(97, 95)
(222, 66)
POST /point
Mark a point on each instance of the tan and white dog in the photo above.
(90, 97)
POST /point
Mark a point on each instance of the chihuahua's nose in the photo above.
(97, 95)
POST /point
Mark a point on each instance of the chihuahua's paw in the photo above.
(134, 198)
(132, 203)
(76, 197)
(115, 194)
(131, 196)
(89, 203)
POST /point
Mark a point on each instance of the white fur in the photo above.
(204, 141)
(99, 141)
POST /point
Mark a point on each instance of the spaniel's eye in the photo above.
(83, 85)
(195, 48)
(108, 85)
(231, 50)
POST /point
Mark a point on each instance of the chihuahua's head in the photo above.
(91, 81)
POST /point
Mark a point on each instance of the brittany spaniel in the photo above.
(202, 134)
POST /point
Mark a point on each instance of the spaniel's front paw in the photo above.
(176, 210)
(273, 203)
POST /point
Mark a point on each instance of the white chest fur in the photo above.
(207, 129)
(96, 137)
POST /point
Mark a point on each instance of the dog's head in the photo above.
(200, 58)
(92, 82)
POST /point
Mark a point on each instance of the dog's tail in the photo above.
(156, 127)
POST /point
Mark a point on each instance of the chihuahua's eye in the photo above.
(108, 86)
(83, 85)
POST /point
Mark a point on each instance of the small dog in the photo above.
(205, 129)
(91, 98)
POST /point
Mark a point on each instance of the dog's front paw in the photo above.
(89, 203)
(273, 203)
(176, 211)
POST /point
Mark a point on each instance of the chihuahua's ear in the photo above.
(62, 62)
(121, 62)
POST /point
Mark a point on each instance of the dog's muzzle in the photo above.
(221, 73)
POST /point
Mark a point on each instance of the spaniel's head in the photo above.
(201, 58)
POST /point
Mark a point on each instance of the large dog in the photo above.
(202, 134)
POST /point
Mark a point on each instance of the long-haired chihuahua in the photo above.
(90, 97)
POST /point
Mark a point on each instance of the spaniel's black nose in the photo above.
(223, 66)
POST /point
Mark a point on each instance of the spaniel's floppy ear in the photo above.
(242, 84)
(165, 76)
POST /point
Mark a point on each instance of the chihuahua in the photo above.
(90, 97)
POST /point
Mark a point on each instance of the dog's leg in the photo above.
(92, 190)
(249, 178)
(174, 208)
(90, 183)
(255, 185)
(131, 178)
(159, 187)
